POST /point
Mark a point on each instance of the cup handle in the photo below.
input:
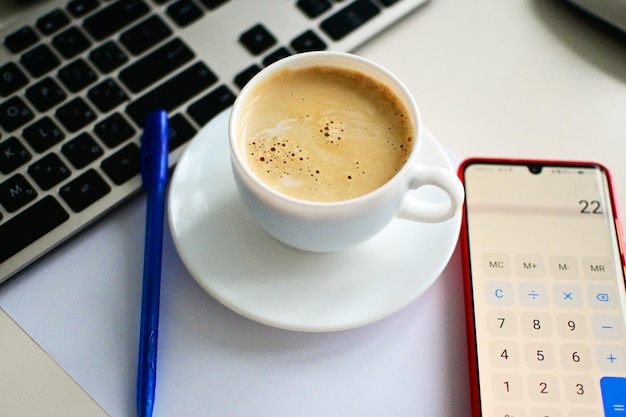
(412, 208)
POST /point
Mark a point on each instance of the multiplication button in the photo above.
(567, 296)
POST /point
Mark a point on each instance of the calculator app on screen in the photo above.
(546, 290)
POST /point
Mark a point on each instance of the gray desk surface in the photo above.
(492, 78)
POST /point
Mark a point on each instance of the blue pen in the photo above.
(154, 157)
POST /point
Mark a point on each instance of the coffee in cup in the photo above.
(325, 152)
(325, 133)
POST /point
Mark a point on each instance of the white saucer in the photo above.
(245, 269)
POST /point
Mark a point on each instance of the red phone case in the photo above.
(467, 283)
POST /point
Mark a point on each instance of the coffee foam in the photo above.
(325, 134)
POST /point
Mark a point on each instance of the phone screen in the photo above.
(547, 290)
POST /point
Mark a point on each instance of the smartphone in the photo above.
(544, 289)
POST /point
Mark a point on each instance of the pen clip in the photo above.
(154, 149)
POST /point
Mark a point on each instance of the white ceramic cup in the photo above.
(332, 226)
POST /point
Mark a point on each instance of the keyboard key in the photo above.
(213, 4)
(85, 190)
(29, 225)
(123, 165)
(107, 95)
(14, 113)
(173, 93)
(108, 57)
(277, 55)
(42, 134)
(114, 130)
(77, 75)
(48, 171)
(16, 192)
(21, 39)
(45, 94)
(184, 12)
(70, 42)
(307, 42)
(82, 150)
(180, 131)
(11, 79)
(348, 19)
(257, 39)
(79, 8)
(209, 106)
(12, 155)
(39, 60)
(156, 65)
(246, 75)
(52, 22)
(145, 35)
(114, 17)
(313, 8)
(75, 115)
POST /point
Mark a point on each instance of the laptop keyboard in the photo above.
(77, 80)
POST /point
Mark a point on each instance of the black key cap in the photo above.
(16, 192)
(77, 75)
(123, 165)
(180, 131)
(79, 8)
(114, 130)
(42, 134)
(48, 171)
(114, 17)
(108, 57)
(388, 2)
(246, 75)
(21, 39)
(107, 95)
(12, 155)
(173, 93)
(45, 94)
(213, 4)
(39, 60)
(14, 113)
(277, 55)
(145, 35)
(70, 42)
(313, 8)
(257, 39)
(84, 190)
(52, 22)
(82, 150)
(211, 105)
(11, 79)
(28, 226)
(156, 65)
(349, 18)
(184, 12)
(307, 42)
(75, 114)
